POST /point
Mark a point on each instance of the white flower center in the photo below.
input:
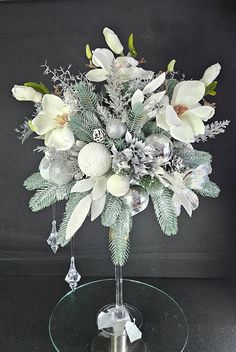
(62, 119)
(180, 109)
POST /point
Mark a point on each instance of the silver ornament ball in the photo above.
(60, 173)
(137, 199)
(163, 147)
(115, 128)
(56, 171)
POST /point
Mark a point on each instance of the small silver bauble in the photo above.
(163, 147)
(115, 128)
(137, 199)
(99, 135)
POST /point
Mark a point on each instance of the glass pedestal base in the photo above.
(73, 328)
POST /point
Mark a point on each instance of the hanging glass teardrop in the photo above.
(52, 239)
(72, 277)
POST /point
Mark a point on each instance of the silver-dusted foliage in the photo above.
(137, 159)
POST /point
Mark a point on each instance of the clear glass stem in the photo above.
(120, 309)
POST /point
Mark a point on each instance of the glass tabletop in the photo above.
(72, 325)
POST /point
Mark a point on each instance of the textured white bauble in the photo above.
(115, 128)
(44, 168)
(60, 173)
(118, 185)
(94, 159)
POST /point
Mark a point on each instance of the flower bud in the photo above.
(88, 52)
(211, 73)
(23, 93)
(113, 41)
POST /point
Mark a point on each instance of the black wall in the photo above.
(197, 33)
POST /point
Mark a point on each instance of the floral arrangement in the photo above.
(109, 148)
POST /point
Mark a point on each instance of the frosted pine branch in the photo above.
(213, 130)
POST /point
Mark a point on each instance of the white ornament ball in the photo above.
(94, 159)
(60, 173)
(118, 185)
(115, 128)
(44, 168)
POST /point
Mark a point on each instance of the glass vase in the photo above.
(113, 339)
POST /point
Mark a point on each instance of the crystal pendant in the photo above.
(52, 239)
(72, 277)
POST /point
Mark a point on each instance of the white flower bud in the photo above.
(26, 93)
(113, 41)
(211, 73)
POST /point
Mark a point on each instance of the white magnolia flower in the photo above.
(104, 60)
(52, 123)
(26, 93)
(151, 102)
(184, 116)
(113, 41)
(211, 73)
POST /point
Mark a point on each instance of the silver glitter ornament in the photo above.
(163, 147)
(137, 199)
(99, 135)
(115, 128)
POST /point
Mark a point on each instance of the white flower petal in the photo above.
(137, 97)
(113, 41)
(53, 105)
(183, 133)
(188, 93)
(161, 121)
(126, 61)
(43, 123)
(135, 72)
(61, 138)
(203, 112)
(171, 116)
(103, 58)
(155, 98)
(83, 185)
(153, 85)
(78, 216)
(196, 123)
(211, 73)
(97, 207)
(97, 75)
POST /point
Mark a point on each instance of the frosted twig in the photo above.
(212, 130)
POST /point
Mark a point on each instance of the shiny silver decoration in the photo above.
(72, 277)
(99, 135)
(60, 173)
(52, 239)
(115, 128)
(137, 199)
(163, 147)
